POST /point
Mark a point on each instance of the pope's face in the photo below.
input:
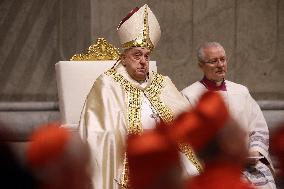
(136, 62)
(215, 63)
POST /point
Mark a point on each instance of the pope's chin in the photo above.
(140, 76)
(141, 73)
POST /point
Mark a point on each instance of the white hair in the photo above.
(200, 50)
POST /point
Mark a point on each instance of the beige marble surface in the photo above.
(34, 35)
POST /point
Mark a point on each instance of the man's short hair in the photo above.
(200, 50)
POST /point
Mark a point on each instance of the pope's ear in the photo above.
(122, 58)
(123, 55)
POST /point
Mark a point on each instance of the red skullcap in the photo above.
(219, 175)
(198, 126)
(151, 156)
(277, 146)
(47, 144)
(212, 108)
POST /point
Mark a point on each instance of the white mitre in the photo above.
(140, 28)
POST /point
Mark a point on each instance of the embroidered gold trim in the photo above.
(134, 117)
(124, 179)
(188, 152)
(153, 94)
(134, 110)
(134, 98)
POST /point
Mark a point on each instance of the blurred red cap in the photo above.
(219, 175)
(198, 126)
(277, 145)
(152, 156)
(47, 144)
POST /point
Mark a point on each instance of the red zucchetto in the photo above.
(47, 144)
(153, 161)
(200, 124)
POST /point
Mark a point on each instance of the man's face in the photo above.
(215, 63)
(136, 62)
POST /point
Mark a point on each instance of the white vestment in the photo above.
(244, 109)
(118, 105)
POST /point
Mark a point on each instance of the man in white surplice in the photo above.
(128, 99)
(243, 108)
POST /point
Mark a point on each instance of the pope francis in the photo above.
(128, 99)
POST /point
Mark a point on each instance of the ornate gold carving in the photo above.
(143, 40)
(101, 50)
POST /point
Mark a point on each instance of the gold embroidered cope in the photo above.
(134, 105)
(134, 117)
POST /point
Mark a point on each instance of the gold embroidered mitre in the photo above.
(140, 28)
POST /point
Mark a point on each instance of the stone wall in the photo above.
(35, 34)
